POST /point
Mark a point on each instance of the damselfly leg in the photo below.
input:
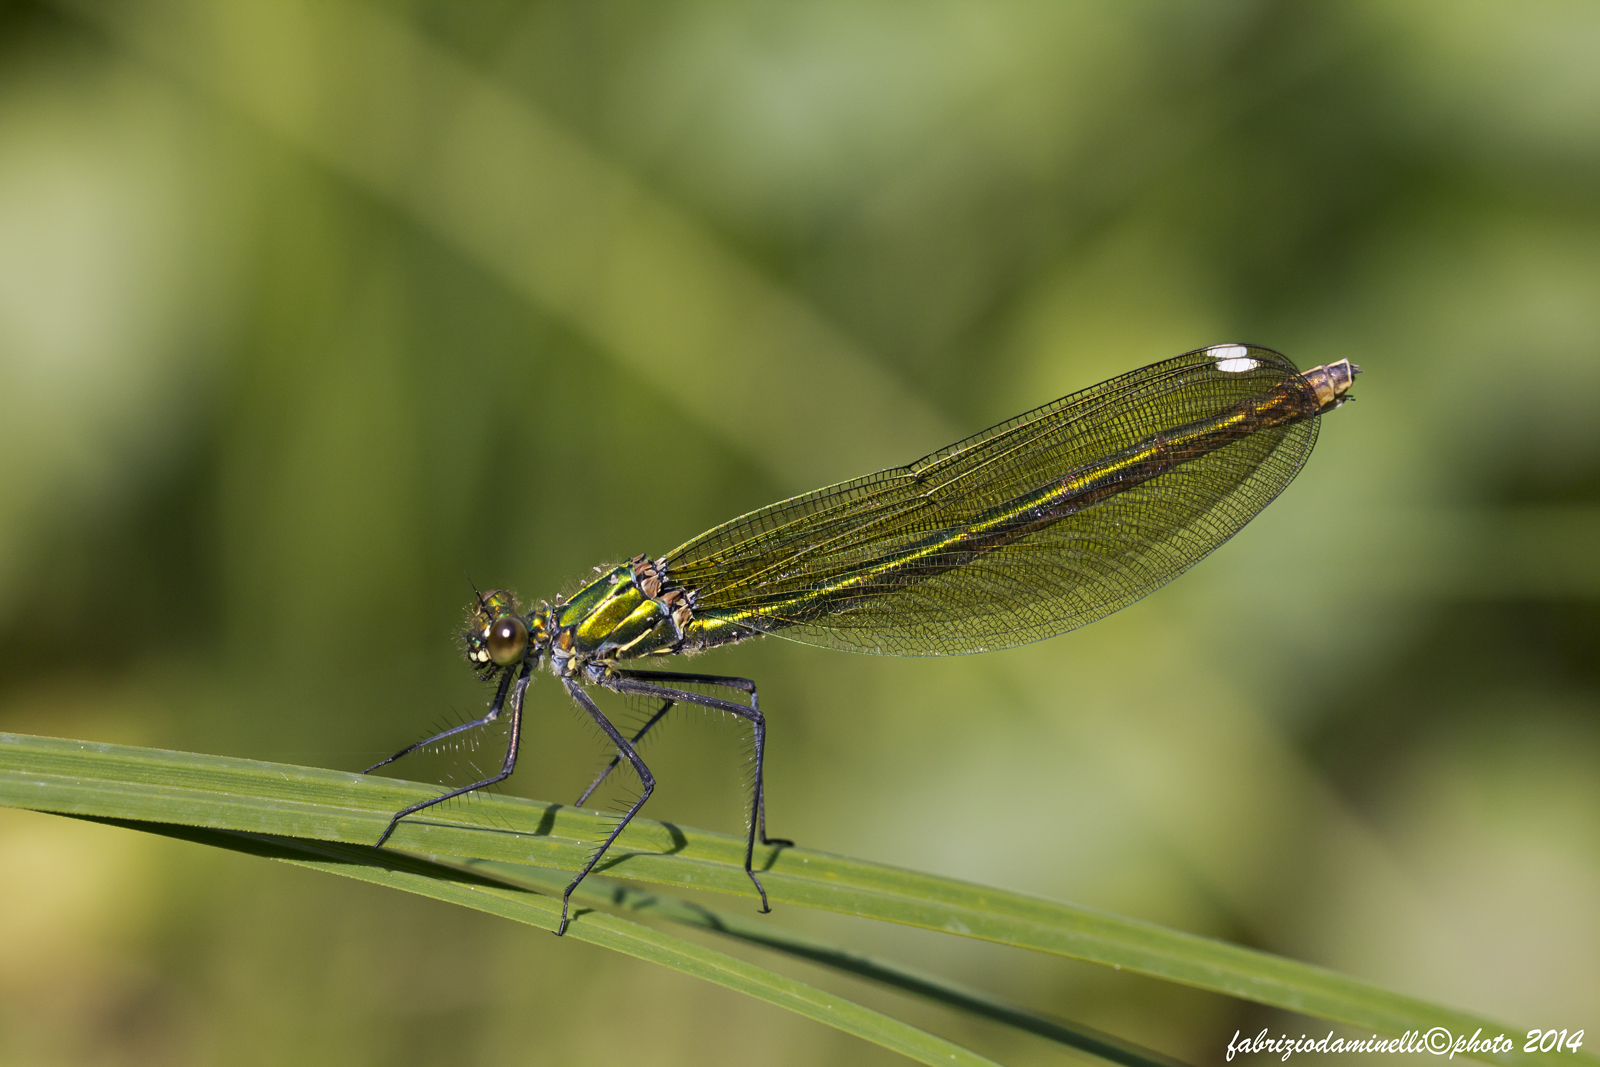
(642, 683)
(646, 779)
(492, 715)
(510, 764)
(744, 685)
(660, 713)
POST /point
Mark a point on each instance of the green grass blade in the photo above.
(599, 891)
(144, 784)
(496, 897)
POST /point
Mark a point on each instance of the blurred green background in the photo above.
(307, 309)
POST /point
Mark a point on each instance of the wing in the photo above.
(1036, 526)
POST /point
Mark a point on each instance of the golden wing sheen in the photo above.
(1036, 526)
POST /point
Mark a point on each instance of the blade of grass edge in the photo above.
(601, 891)
(495, 897)
(77, 777)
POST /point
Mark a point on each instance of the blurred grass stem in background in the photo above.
(488, 175)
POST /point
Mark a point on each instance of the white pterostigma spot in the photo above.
(1233, 359)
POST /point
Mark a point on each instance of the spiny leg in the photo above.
(629, 682)
(666, 706)
(744, 685)
(645, 778)
(506, 768)
(493, 714)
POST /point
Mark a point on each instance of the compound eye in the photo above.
(507, 640)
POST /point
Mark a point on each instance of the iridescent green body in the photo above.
(612, 619)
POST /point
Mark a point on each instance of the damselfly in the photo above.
(1036, 526)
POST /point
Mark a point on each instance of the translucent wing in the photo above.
(1036, 526)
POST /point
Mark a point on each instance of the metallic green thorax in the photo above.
(611, 619)
(614, 618)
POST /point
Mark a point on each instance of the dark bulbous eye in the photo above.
(507, 640)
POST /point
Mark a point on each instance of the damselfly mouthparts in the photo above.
(1031, 528)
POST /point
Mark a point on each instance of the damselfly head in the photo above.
(497, 636)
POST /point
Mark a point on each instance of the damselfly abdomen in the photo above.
(1036, 526)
